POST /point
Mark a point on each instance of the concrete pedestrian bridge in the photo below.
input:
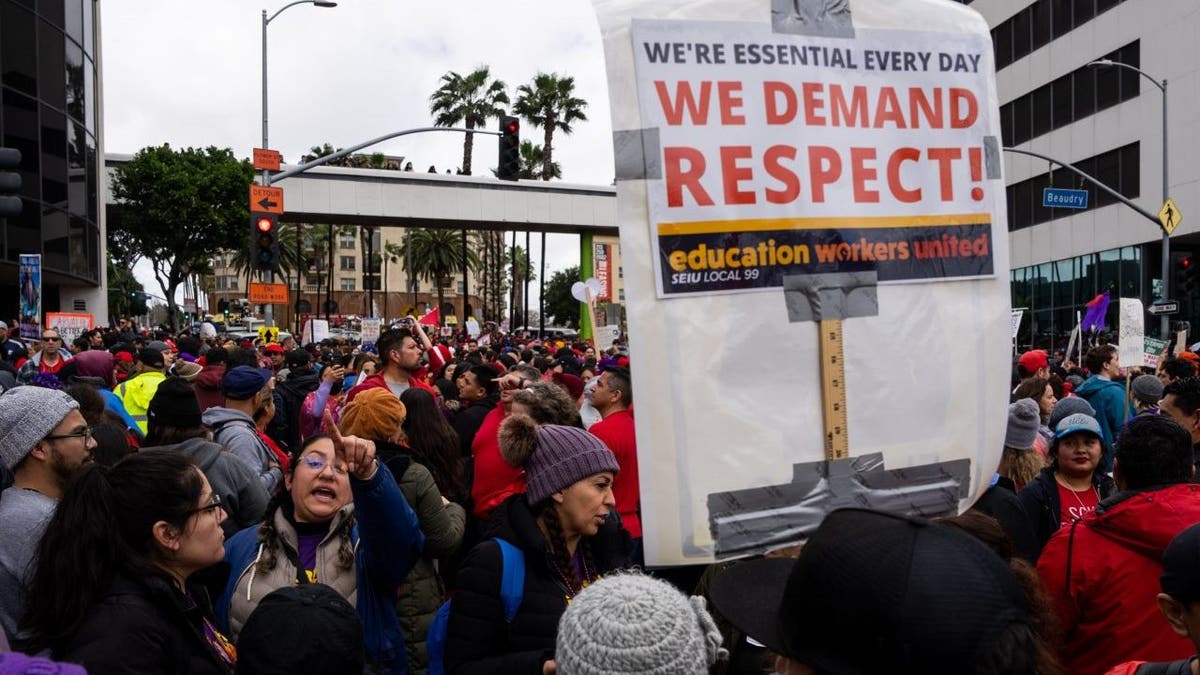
(345, 196)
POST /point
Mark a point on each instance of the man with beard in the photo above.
(399, 365)
(43, 441)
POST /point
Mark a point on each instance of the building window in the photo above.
(1034, 26)
(1117, 169)
(1070, 98)
(371, 283)
(233, 283)
(347, 284)
(347, 262)
(346, 241)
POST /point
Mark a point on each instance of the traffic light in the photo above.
(264, 242)
(510, 148)
(1186, 271)
(10, 182)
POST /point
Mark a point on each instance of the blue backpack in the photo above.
(512, 590)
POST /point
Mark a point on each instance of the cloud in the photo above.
(189, 74)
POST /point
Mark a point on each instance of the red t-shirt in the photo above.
(44, 367)
(1074, 504)
(495, 479)
(616, 431)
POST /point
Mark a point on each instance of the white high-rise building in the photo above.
(1108, 122)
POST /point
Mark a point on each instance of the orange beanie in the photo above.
(374, 414)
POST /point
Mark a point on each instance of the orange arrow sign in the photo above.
(266, 199)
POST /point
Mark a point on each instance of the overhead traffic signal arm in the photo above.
(510, 148)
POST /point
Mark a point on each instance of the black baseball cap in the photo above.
(1181, 566)
(874, 592)
(301, 630)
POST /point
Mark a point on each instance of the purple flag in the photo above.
(1093, 321)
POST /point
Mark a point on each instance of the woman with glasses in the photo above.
(343, 522)
(112, 589)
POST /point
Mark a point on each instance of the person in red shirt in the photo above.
(1102, 571)
(494, 479)
(613, 398)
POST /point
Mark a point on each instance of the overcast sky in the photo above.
(189, 74)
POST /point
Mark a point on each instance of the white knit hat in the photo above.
(27, 415)
(633, 623)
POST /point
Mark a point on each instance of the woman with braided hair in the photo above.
(341, 522)
(562, 525)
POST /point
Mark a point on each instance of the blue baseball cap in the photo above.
(244, 382)
(1078, 422)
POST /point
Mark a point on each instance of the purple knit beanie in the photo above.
(554, 457)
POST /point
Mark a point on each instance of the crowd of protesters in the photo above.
(188, 503)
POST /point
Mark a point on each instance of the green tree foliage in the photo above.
(559, 302)
(125, 297)
(175, 208)
(549, 103)
(532, 161)
(469, 100)
(436, 256)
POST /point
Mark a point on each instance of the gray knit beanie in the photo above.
(1070, 405)
(1147, 388)
(554, 457)
(632, 623)
(27, 415)
(1024, 418)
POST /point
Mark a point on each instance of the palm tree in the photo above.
(520, 275)
(289, 255)
(470, 100)
(436, 254)
(391, 254)
(550, 103)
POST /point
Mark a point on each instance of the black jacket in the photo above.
(1040, 500)
(145, 627)
(478, 639)
(284, 428)
(469, 419)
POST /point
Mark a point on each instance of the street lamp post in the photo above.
(1166, 238)
(266, 174)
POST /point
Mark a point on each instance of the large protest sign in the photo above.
(807, 188)
(70, 325)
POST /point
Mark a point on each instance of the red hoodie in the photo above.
(616, 431)
(1105, 599)
(495, 479)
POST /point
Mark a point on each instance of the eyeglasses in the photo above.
(318, 463)
(51, 338)
(214, 503)
(85, 432)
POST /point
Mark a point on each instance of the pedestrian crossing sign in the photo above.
(1169, 216)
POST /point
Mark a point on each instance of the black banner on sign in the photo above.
(696, 262)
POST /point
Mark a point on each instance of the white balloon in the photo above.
(579, 291)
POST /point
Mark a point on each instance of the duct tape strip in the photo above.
(756, 520)
(636, 154)
(840, 295)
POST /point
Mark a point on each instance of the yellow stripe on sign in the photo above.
(829, 223)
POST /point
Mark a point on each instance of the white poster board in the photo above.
(605, 336)
(370, 331)
(473, 328)
(1131, 334)
(753, 154)
(315, 330)
(1017, 315)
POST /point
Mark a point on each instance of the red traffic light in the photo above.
(1185, 263)
(264, 223)
(512, 125)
